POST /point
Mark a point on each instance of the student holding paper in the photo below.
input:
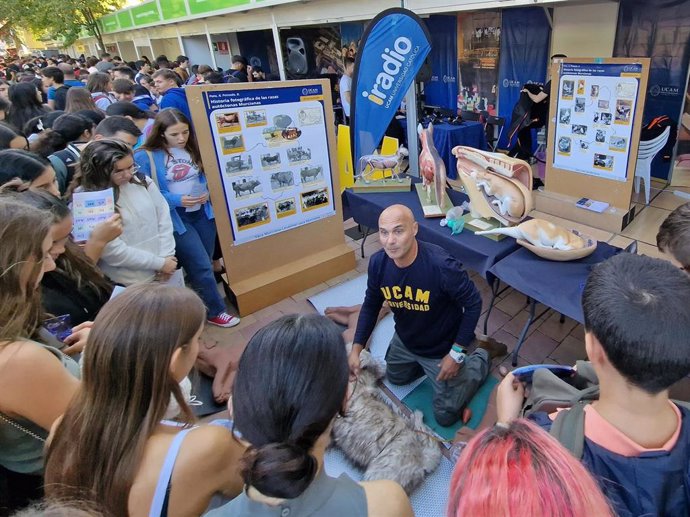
(146, 249)
(171, 157)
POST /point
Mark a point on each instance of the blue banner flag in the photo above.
(392, 51)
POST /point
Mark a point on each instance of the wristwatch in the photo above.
(457, 354)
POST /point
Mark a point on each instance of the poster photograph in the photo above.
(595, 112)
(273, 148)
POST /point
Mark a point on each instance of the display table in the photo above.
(557, 285)
(447, 136)
(474, 252)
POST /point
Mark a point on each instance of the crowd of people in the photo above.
(96, 420)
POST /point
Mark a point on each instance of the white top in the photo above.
(345, 86)
(181, 173)
(147, 236)
(102, 100)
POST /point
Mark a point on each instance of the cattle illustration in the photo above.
(298, 154)
(238, 164)
(255, 117)
(310, 172)
(232, 142)
(251, 215)
(285, 206)
(270, 159)
(282, 179)
(314, 198)
(245, 187)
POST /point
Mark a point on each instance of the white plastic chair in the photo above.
(647, 151)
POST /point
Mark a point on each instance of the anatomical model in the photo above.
(431, 166)
(370, 163)
(498, 186)
(542, 234)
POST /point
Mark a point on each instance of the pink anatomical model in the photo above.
(431, 166)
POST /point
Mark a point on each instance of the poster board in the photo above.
(595, 119)
(268, 151)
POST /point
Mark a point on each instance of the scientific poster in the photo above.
(273, 154)
(594, 118)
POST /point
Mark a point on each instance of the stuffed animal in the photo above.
(380, 440)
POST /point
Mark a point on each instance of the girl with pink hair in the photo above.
(518, 470)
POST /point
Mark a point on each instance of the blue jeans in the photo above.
(194, 249)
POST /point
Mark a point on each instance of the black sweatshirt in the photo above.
(434, 302)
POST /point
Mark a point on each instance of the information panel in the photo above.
(594, 118)
(273, 154)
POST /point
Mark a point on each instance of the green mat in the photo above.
(420, 398)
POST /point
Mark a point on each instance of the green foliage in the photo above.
(60, 19)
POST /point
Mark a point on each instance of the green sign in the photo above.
(145, 14)
(171, 9)
(125, 19)
(110, 23)
(205, 6)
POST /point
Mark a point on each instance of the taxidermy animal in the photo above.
(381, 441)
(509, 200)
(542, 234)
(431, 166)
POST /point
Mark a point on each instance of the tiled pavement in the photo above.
(548, 341)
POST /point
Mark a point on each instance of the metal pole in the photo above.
(210, 47)
(412, 121)
(279, 48)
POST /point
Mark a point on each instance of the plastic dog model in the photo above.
(370, 163)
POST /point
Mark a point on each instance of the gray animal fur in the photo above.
(375, 437)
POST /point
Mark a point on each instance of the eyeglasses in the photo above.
(133, 170)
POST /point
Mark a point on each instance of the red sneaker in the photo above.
(224, 320)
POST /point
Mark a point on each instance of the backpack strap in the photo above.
(154, 172)
(569, 429)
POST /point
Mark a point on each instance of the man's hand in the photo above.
(76, 341)
(353, 360)
(509, 399)
(449, 368)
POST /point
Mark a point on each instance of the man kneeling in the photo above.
(436, 308)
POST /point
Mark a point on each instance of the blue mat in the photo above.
(420, 398)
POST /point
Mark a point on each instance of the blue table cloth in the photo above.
(474, 252)
(557, 285)
(447, 136)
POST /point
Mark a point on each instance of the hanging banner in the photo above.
(442, 89)
(525, 35)
(393, 50)
(659, 29)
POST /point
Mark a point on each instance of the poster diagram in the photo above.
(272, 151)
(594, 118)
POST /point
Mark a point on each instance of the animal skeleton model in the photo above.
(381, 441)
(542, 234)
(431, 166)
(370, 163)
(498, 186)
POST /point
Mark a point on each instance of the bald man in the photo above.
(436, 308)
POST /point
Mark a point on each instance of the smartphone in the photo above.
(60, 326)
(525, 373)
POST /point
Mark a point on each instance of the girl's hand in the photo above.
(169, 266)
(107, 230)
(189, 201)
(203, 199)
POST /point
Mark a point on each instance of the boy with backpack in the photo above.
(633, 439)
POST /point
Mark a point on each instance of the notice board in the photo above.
(594, 128)
(268, 150)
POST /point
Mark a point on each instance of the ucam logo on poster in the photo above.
(396, 64)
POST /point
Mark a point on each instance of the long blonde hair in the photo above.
(22, 232)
